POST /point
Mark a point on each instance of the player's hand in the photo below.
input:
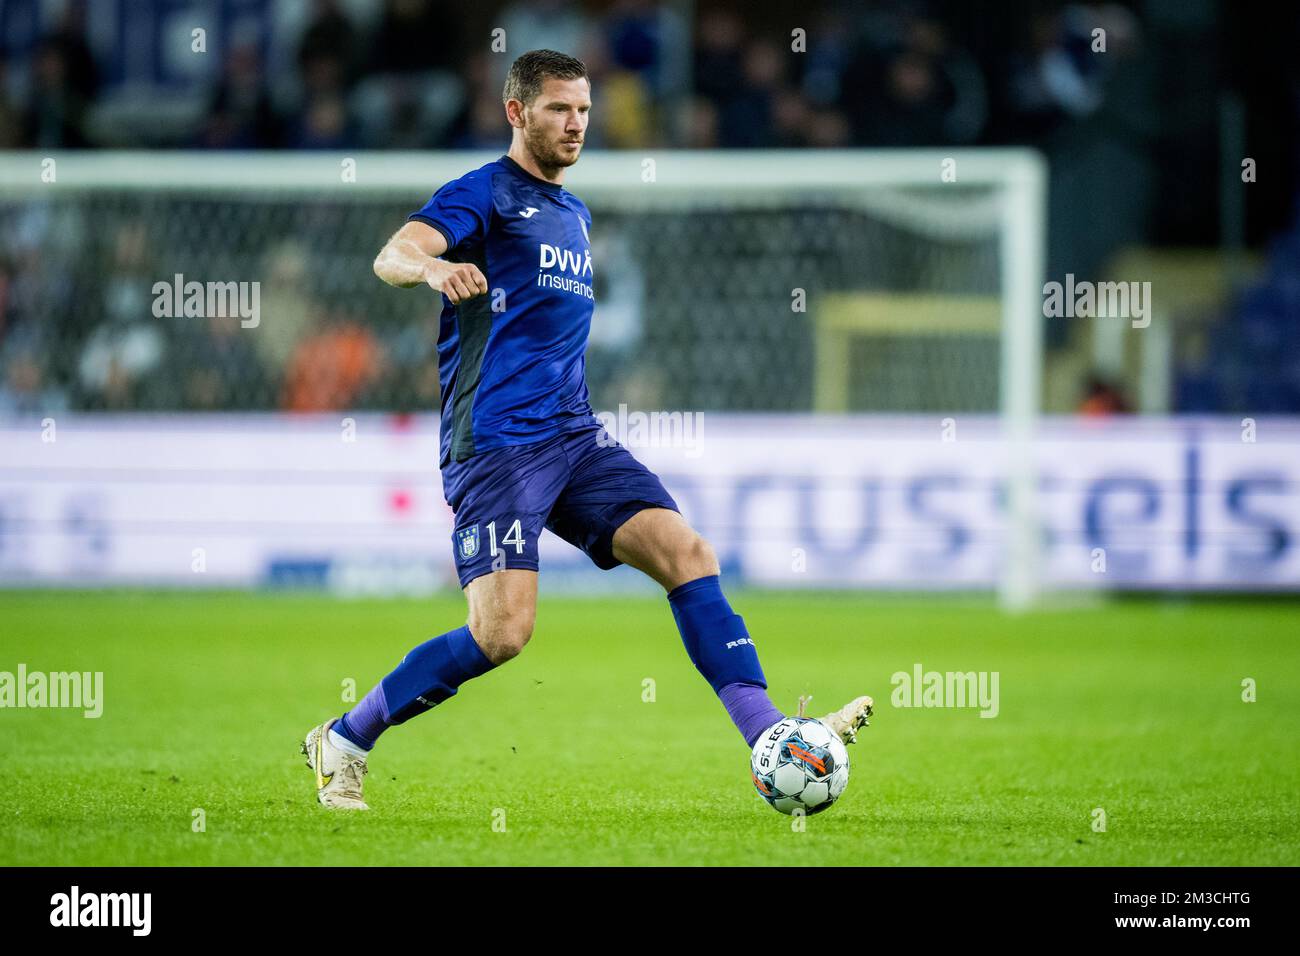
(458, 281)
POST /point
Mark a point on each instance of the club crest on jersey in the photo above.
(467, 540)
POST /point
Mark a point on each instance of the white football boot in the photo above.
(846, 721)
(338, 773)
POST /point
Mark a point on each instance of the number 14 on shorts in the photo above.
(514, 535)
(468, 540)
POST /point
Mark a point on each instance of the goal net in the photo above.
(837, 282)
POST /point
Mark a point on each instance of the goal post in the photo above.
(1024, 239)
(792, 281)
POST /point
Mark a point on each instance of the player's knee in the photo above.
(696, 560)
(502, 635)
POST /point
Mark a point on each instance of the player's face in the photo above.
(555, 125)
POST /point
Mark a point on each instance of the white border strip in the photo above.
(599, 171)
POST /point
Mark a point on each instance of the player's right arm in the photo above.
(410, 258)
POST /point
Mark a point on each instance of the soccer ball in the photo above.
(798, 763)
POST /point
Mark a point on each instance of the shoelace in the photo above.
(351, 778)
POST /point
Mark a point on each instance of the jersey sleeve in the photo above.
(460, 210)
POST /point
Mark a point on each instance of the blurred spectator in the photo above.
(239, 113)
(128, 346)
(214, 360)
(629, 112)
(1063, 77)
(702, 125)
(719, 57)
(1102, 399)
(641, 37)
(12, 118)
(414, 36)
(829, 129)
(412, 370)
(56, 113)
(829, 45)
(1100, 146)
(540, 25)
(24, 389)
(480, 126)
(117, 358)
(616, 343)
(328, 53)
(327, 59)
(324, 124)
(69, 39)
(413, 90)
(332, 368)
(747, 115)
(481, 123)
(65, 81)
(287, 304)
(910, 86)
(1254, 362)
(26, 383)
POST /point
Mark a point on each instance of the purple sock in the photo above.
(367, 720)
(749, 709)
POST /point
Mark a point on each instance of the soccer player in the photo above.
(507, 247)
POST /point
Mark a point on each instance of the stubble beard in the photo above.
(547, 155)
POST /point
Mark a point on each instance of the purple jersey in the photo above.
(511, 363)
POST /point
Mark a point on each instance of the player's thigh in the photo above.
(502, 611)
(606, 488)
(663, 545)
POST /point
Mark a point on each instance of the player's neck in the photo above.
(529, 164)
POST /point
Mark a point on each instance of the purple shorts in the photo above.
(581, 484)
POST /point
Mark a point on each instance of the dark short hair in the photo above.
(524, 81)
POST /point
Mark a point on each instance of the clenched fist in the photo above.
(458, 281)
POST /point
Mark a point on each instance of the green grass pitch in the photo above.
(1132, 707)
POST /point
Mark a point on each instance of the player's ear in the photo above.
(515, 113)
